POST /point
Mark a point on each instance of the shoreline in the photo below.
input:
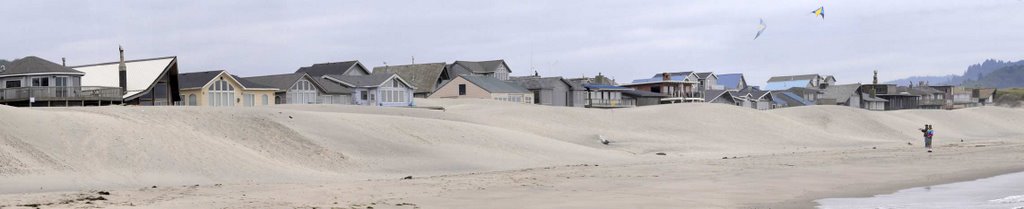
(809, 202)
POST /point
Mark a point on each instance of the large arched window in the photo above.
(192, 100)
(302, 92)
(266, 100)
(220, 94)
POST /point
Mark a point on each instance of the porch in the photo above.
(61, 96)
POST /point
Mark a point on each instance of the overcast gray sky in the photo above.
(622, 39)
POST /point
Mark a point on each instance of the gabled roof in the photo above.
(481, 67)
(794, 77)
(751, 92)
(491, 84)
(200, 79)
(141, 74)
(705, 75)
(423, 76)
(533, 82)
(711, 95)
(841, 93)
(249, 84)
(32, 65)
(283, 82)
(332, 87)
(790, 99)
(730, 80)
(196, 79)
(366, 81)
(336, 68)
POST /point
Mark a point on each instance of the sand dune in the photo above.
(69, 149)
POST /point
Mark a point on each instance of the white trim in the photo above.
(337, 80)
(37, 74)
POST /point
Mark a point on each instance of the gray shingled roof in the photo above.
(330, 68)
(423, 76)
(493, 85)
(841, 93)
(793, 78)
(283, 82)
(534, 82)
(480, 66)
(332, 87)
(32, 64)
(712, 94)
(196, 79)
(371, 80)
(280, 81)
(250, 84)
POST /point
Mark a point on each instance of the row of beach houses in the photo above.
(33, 81)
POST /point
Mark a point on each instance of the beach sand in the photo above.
(488, 154)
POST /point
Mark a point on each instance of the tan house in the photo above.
(483, 87)
(221, 89)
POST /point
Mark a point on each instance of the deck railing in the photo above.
(61, 93)
(610, 103)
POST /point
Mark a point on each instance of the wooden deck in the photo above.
(55, 95)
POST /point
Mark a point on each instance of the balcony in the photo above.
(609, 103)
(61, 94)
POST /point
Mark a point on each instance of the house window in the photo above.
(364, 95)
(221, 94)
(249, 100)
(41, 81)
(302, 92)
(266, 100)
(656, 89)
(462, 89)
(192, 100)
(13, 84)
(394, 83)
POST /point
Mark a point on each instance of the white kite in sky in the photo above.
(760, 29)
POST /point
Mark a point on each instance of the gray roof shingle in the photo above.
(196, 79)
(321, 69)
(841, 93)
(32, 64)
(280, 81)
(713, 94)
(423, 76)
(480, 67)
(533, 82)
(493, 85)
(372, 80)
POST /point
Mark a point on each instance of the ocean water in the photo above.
(999, 192)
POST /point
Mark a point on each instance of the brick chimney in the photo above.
(122, 75)
(665, 76)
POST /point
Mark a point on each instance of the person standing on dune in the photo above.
(928, 134)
